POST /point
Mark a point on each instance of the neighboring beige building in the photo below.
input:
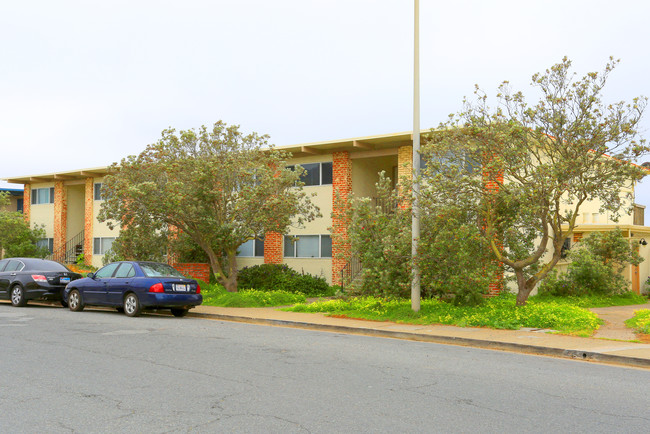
(67, 204)
(15, 199)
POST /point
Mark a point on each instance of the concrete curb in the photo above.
(589, 356)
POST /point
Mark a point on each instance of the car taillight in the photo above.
(39, 278)
(157, 287)
(198, 288)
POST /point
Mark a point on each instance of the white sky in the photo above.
(85, 83)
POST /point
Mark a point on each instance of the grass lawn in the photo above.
(564, 314)
(216, 295)
(640, 322)
(567, 315)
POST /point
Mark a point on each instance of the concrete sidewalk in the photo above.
(528, 341)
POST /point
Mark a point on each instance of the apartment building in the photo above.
(67, 204)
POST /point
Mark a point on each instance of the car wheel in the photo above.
(132, 305)
(74, 301)
(179, 312)
(18, 296)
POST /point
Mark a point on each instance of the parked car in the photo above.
(131, 286)
(23, 279)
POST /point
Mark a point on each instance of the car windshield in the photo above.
(154, 269)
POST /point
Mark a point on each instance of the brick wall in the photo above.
(194, 270)
(273, 248)
(404, 162)
(493, 184)
(342, 190)
(89, 198)
(60, 215)
(27, 201)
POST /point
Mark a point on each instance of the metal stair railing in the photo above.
(351, 270)
(69, 252)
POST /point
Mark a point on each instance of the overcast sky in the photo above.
(85, 83)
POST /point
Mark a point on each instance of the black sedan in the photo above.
(23, 279)
(131, 286)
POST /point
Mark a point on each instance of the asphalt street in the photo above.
(100, 371)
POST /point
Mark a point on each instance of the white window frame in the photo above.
(35, 195)
(100, 241)
(295, 239)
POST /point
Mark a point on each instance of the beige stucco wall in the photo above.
(365, 174)
(321, 267)
(43, 214)
(75, 217)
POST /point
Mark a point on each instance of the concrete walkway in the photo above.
(600, 348)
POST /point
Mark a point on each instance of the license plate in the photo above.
(180, 287)
(64, 279)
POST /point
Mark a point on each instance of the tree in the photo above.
(530, 168)
(218, 186)
(16, 237)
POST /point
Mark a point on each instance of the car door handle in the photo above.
(12, 274)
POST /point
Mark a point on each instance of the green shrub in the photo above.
(595, 267)
(279, 277)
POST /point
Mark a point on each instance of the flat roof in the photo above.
(356, 144)
(60, 176)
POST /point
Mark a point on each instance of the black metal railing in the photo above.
(69, 252)
(386, 205)
(350, 271)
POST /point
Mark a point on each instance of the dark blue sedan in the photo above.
(131, 286)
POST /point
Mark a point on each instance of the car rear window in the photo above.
(154, 269)
(46, 266)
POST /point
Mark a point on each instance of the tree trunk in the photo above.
(523, 289)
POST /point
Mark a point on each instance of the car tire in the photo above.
(132, 305)
(18, 296)
(75, 303)
(180, 312)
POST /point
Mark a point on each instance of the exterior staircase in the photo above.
(69, 252)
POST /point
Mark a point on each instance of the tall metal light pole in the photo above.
(415, 219)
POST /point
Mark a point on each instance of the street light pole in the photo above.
(415, 219)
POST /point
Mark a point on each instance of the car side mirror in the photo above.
(91, 275)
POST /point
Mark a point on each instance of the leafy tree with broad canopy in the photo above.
(530, 168)
(16, 237)
(218, 186)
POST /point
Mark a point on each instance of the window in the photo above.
(107, 271)
(471, 163)
(48, 243)
(14, 265)
(252, 248)
(316, 173)
(308, 246)
(98, 191)
(125, 270)
(102, 245)
(19, 205)
(42, 195)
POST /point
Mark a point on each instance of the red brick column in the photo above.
(60, 215)
(492, 185)
(89, 218)
(341, 192)
(404, 172)
(273, 248)
(27, 202)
